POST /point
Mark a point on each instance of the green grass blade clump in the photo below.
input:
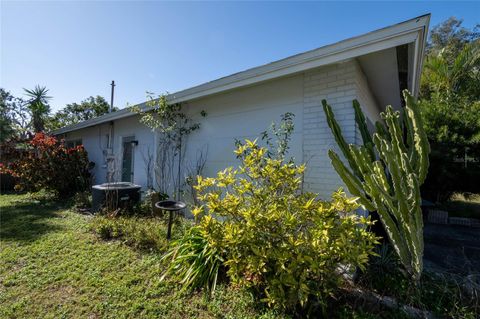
(194, 261)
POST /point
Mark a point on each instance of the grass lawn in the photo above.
(463, 206)
(53, 266)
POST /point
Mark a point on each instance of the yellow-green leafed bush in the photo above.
(276, 239)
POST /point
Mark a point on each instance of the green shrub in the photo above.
(140, 233)
(285, 244)
(83, 199)
(47, 163)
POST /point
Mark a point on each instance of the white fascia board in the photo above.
(420, 44)
(99, 120)
(411, 31)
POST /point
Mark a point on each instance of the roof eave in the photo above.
(398, 34)
(410, 31)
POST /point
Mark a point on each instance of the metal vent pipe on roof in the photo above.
(111, 98)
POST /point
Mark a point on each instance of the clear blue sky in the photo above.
(77, 48)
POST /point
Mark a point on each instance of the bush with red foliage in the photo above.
(46, 163)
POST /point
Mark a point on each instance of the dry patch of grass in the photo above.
(464, 205)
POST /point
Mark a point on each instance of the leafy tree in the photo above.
(172, 126)
(6, 125)
(78, 112)
(444, 77)
(38, 106)
(450, 36)
(14, 116)
(450, 104)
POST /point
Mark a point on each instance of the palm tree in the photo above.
(460, 76)
(38, 106)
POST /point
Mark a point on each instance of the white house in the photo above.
(373, 68)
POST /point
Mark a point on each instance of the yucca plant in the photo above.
(386, 172)
(38, 106)
(194, 261)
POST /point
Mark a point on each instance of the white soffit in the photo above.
(381, 70)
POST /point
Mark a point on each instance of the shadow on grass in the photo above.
(27, 221)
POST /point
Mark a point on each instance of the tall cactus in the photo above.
(386, 173)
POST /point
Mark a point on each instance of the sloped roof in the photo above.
(410, 31)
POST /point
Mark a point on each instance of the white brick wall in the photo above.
(366, 99)
(339, 84)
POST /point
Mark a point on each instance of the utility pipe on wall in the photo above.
(110, 157)
(110, 135)
(111, 97)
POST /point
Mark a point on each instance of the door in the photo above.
(127, 159)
